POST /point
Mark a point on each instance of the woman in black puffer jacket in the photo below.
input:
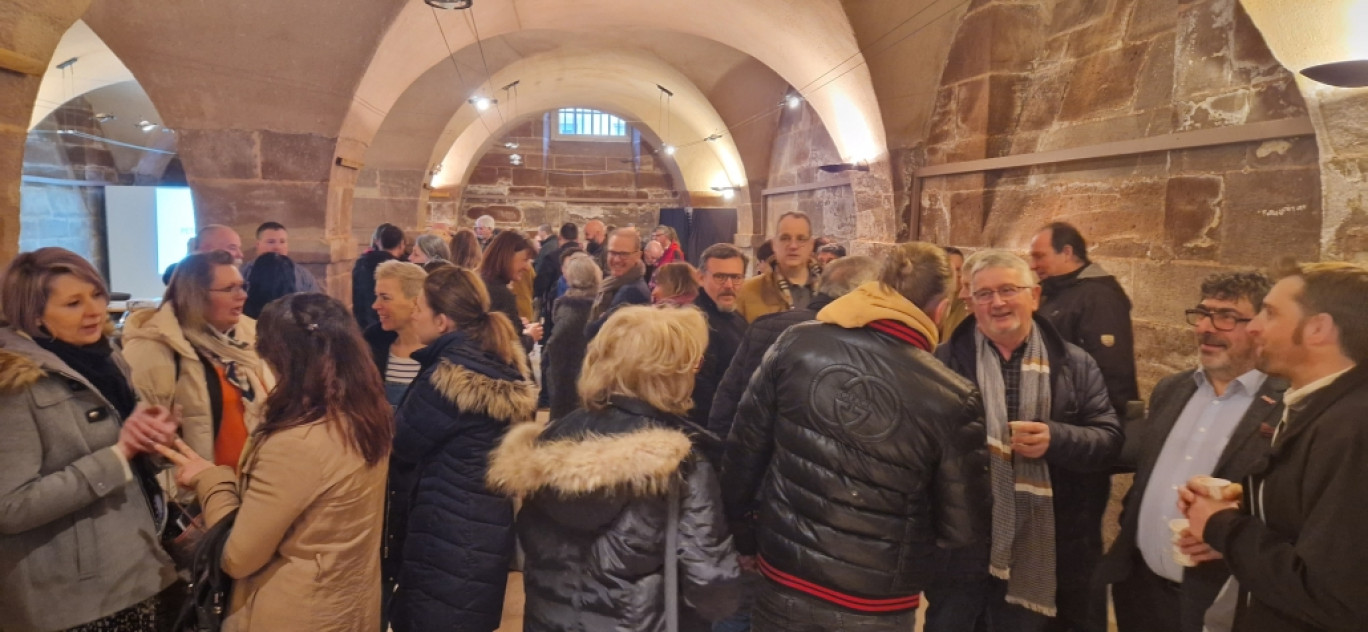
(565, 349)
(607, 487)
(448, 539)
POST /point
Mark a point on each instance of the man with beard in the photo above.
(594, 232)
(723, 270)
(627, 285)
(1294, 541)
(1201, 422)
(790, 284)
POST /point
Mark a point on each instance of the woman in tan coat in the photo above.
(199, 352)
(305, 547)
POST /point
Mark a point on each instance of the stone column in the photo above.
(31, 29)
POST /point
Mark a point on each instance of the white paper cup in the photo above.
(1215, 487)
(1177, 526)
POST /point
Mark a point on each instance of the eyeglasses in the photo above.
(232, 289)
(729, 279)
(984, 297)
(1221, 319)
(622, 255)
(790, 239)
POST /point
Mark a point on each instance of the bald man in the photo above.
(208, 239)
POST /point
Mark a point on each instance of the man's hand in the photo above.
(1030, 438)
(1194, 503)
(1198, 550)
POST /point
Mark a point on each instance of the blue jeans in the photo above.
(977, 605)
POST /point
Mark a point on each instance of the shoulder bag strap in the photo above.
(672, 559)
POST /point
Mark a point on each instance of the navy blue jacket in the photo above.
(448, 539)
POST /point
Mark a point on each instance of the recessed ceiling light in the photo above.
(449, 4)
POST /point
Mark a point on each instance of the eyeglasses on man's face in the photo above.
(232, 289)
(1009, 292)
(728, 279)
(620, 254)
(1221, 319)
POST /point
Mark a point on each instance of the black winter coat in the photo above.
(725, 331)
(1300, 556)
(363, 287)
(759, 336)
(594, 519)
(1090, 309)
(448, 539)
(565, 351)
(863, 455)
(1085, 443)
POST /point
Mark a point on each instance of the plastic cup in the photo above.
(1215, 487)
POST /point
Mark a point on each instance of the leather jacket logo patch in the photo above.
(864, 406)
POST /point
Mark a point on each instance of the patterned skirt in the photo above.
(139, 618)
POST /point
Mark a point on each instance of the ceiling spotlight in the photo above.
(793, 101)
(146, 125)
(727, 192)
(669, 150)
(104, 117)
(515, 159)
(449, 4)
(436, 169)
(510, 145)
(1343, 74)
(713, 137)
(482, 103)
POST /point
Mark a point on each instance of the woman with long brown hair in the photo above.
(465, 249)
(304, 549)
(449, 540)
(506, 261)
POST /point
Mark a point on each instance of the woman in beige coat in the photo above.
(198, 352)
(305, 547)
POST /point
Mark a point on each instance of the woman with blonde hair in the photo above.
(198, 351)
(622, 521)
(450, 540)
(304, 546)
(675, 284)
(78, 536)
(466, 250)
(393, 340)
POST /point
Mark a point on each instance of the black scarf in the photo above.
(95, 362)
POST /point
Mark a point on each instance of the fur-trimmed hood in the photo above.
(18, 370)
(638, 463)
(505, 400)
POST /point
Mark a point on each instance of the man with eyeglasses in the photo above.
(1052, 439)
(1201, 422)
(790, 284)
(723, 270)
(627, 283)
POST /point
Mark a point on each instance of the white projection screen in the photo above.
(148, 228)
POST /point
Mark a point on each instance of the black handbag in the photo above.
(210, 588)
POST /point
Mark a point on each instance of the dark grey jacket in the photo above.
(1245, 449)
(1090, 309)
(565, 353)
(77, 540)
(593, 521)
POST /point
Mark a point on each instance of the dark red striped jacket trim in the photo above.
(896, 604)
(902, 332)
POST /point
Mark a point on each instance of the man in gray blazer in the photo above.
(1215, 420)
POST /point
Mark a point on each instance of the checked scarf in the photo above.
(1023, 544)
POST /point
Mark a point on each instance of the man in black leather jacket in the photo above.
(1078, 440)
(858, 457)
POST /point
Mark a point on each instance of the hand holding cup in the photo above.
(1030, 439)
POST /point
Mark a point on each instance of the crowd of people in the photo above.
(818, 441)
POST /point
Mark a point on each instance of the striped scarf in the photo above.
(1023, 544)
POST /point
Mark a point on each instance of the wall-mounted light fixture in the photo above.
(669, 150)
(482, 103)
(1344, 74)
(515, 159)
(510, 145)
(104, 117)
(147, 126)
(793, 100)
(862, 165)
(727, 192)
(448, 5)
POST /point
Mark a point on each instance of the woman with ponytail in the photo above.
(303, 550)
(449, 540)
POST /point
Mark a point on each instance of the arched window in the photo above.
(584, 122)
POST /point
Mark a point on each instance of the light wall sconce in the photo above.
(147, 126)
(727, 192)
(515, 159)
(862, 165)
(510, 145)
(669, 150)
(104, 117)
(482, 103)
(1343, 74)
(793, 100)
(448, 5)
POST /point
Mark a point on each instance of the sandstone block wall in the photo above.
(1029, 76)
(802, 144)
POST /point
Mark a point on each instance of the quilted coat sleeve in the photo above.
(1091, 440)
(751, 442)
(963, 494)
(707, 560)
